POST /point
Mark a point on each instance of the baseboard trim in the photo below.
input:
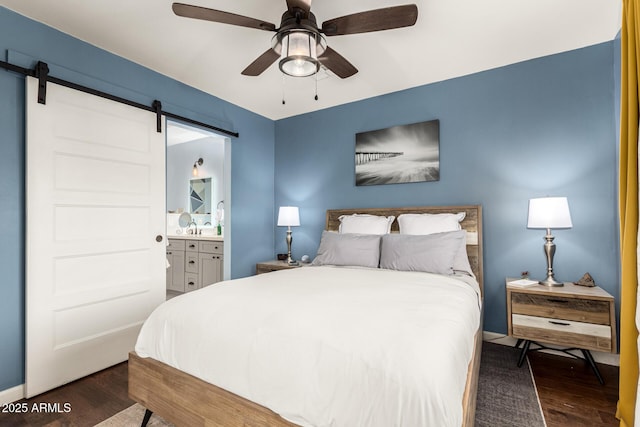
(598, 356)
(11, 394)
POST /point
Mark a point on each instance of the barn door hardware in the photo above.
(157, 107)
(41, 72)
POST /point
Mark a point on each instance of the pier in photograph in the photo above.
(363, 157)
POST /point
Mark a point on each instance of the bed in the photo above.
(170, 383)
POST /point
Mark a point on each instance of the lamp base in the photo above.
(550, 281)
(549, 251)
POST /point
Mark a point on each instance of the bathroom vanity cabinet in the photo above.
(194, 263)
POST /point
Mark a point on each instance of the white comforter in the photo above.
(328, 346)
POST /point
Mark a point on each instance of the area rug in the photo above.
(506, 395)
(132, 417)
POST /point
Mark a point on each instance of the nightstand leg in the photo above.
(589, 358)
(518, 343)
(523, 353)
(147, 417)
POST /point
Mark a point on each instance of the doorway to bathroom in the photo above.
(198, 203)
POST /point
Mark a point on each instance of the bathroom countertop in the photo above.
(210, 237)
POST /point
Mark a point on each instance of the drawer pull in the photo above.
(192, 262)
(562, 301)
(559, 323)
(191, 283)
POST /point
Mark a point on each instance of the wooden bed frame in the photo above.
(185, 400)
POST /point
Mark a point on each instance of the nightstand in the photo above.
(572, 316)
(269, 266)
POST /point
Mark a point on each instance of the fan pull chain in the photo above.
(316, 97)
(283, 101)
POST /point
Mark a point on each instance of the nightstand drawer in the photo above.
(560, 307)
(584, 335)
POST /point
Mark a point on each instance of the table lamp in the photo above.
(289, 216)
(549, 212)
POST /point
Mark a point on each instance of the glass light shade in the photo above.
(299, 53)
(194, 171)
(288, 216)
(549, 212)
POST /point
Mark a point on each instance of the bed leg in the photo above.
(147, 416)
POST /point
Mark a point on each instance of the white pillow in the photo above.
(421, 224)
(365, 224)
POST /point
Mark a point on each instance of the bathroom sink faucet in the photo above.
(195, 225)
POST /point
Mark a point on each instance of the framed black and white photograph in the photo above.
(399, 154)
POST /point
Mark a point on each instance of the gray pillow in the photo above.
(461, 260)
(431, 253)
(361, 250)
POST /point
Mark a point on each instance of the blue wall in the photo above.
(541, 127)
(536, 128)
(23, 41)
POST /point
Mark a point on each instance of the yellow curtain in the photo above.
(630, 42)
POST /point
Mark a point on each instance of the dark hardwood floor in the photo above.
(91, 399)
(569, 393)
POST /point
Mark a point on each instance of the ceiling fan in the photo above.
(299, 42)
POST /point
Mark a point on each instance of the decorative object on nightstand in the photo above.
(586, 281)
(289, 216)
(578, 317)
(549, 212)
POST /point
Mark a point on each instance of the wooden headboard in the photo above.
(472, 223)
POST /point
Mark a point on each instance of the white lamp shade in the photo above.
(288, 216)
(549, 212)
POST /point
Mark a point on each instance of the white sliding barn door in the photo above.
(95, 202)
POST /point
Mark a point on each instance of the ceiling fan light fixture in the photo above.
(299, 50)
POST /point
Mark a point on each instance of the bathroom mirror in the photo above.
(200, 195)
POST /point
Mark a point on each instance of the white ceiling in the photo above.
(451, 38)
(179, 133)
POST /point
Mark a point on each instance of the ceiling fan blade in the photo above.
(337, 64)
(261, 63)
(197, 12)
(304, 5)
(373, 20)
